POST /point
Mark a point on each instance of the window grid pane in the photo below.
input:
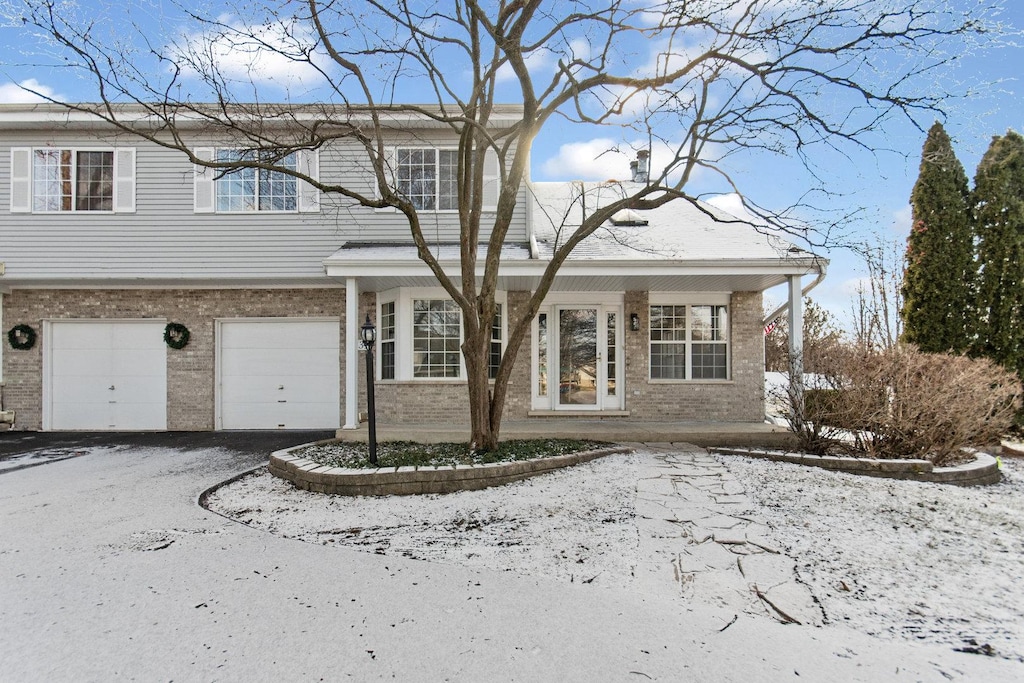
(95, 186)
(709, 361)
(436, 337)
(448, 171)
(668, 337)
(278, 190)
(496, 343)
(387, 340)
(51, 176)
(611, 351)
(542, 354)
(417, 177)
(249, 189)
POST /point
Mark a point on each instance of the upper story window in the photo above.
(256, 190)
(427, 177)
(689, 342)
(52, 179)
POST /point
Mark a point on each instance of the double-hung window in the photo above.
(427, 177)
(255, 189)
(689, 342)
(52, 179)
(436, 337)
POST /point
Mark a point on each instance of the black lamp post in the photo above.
(369, 335)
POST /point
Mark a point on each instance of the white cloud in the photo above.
(16, 93)
(268, 54)
(732, 204)
(538, 60)
(597, 159)
(606, 159)
(902, 220)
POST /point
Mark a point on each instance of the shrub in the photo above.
(902, 403)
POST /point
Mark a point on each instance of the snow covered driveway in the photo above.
(109, 570)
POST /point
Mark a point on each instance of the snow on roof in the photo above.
(676, 231)
(404, 251)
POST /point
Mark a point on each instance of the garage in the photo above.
(105, 375)
(278, 373)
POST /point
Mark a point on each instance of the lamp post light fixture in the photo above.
(369, 336)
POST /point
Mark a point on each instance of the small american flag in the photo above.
(770, 327)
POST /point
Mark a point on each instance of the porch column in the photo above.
(351, 354)
(796, 341)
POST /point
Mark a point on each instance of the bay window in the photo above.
(421, 336)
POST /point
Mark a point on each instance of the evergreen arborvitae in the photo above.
(999, 221)
(937, 284)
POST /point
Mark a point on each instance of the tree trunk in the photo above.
(483, 433)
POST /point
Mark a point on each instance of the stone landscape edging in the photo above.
(984, 469)
(408, 480)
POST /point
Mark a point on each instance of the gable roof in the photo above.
(679, 231)
(677, 247)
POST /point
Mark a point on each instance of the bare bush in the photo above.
(902, 403)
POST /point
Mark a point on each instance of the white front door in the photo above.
(580, 347)
(106, 375)
(278, 373)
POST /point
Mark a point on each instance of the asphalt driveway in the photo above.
(109, 570)
(250, 448)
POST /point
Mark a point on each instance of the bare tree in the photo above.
(879, 298)
(699, 80)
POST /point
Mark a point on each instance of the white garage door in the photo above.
(107, 375)
(278, 374)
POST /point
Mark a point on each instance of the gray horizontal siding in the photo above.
(165, 239)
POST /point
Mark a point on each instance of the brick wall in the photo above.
(190, 371)
(738, 400)
(190, 381)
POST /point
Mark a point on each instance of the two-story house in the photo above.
(141, 292)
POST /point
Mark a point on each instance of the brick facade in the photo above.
(191, 371)
(739, 400)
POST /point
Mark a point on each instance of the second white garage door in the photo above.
(276, 373)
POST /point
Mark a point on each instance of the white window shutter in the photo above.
(21, 179)
(390, 175)
(124, 180)
(309, 196)
(204, 190)
(492, 181)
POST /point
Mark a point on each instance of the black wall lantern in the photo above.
(369, 336)
(634, 322)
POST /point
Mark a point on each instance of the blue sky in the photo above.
(879, 182)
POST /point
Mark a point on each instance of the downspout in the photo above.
(785, 306)
(6, 416)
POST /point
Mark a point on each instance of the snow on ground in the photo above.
(573, 524)
(897, 559)
(17, 461)
(913, 560)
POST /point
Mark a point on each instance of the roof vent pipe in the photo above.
(640, 167)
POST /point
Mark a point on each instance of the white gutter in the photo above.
(785, 306)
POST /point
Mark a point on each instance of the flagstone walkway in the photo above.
(700, 541)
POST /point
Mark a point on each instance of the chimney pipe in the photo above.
(641, 173)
